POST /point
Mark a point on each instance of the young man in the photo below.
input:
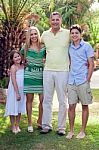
(81, 68)
(55, 76)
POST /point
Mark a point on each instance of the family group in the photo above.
(58, 60)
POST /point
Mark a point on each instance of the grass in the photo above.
(51, 141)
(95, 94)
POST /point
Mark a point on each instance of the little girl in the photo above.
(16, 101)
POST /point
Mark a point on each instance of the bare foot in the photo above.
(81, 135)
(14, 130)
(70, 135)
(18, 129)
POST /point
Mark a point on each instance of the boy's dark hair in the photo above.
(76, 26)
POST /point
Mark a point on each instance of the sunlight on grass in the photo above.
(4, 124)
(95, 95)
(37, 141)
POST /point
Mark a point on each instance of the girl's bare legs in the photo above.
(17, 122)
(39, 121)
(29, 101)
(12, 120)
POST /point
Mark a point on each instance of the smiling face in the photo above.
(55, 22)
(34, 36)
(16, 58)
(75, 35)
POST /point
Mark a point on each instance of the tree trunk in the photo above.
(11, 38)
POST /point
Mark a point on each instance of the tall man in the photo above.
(55, 76)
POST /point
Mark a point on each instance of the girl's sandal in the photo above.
(14, 130)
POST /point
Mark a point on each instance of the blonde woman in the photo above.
(33, 75)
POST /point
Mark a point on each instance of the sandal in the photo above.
(30, 129)
(14, 131)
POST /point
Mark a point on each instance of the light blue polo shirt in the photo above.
(79, 66)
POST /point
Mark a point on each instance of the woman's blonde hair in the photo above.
(28, 36)
(28, 39)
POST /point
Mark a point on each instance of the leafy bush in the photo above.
(4, 82)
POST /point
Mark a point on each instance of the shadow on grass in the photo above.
(51, 141)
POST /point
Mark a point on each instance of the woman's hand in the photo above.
(44, 60)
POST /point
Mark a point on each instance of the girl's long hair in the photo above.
(12, 55)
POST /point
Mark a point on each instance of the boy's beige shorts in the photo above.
(80, 93)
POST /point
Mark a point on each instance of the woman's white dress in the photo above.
(13, 107)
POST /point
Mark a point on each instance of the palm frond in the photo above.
(22, 4)
(10, 8)
(4, 9)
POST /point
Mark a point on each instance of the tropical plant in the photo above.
(3, 89)
(4, 82)
(92, 22)
(11, 29)
(73, 11)
(14, 12)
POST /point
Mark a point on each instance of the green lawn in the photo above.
(51, 141)
(95, 94)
